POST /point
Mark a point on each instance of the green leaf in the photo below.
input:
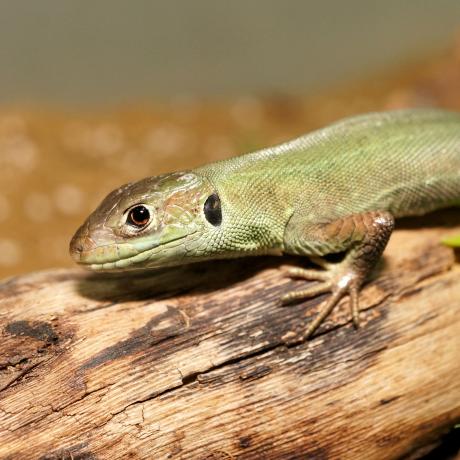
(453, 241)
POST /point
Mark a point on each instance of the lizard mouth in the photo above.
(98, 249)
(110, 256)
(128, 256)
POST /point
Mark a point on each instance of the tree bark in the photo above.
(201, 362)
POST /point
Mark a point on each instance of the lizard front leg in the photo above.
(362, 237)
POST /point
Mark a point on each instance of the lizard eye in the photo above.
(213, 210)
(139, 216)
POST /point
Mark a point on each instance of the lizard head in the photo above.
(157, 221)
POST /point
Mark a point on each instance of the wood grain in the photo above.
(201, 362)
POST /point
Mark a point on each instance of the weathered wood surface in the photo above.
(200, 362)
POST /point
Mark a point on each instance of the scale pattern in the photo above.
(405, 162)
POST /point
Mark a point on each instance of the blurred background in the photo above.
(96, 94)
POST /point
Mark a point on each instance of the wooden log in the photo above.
(201, 362)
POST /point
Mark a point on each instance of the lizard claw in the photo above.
(339, 280)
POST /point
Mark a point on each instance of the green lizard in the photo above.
(336, 190)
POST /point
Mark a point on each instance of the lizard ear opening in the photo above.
(212, 210)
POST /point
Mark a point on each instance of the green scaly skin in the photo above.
(334, 190)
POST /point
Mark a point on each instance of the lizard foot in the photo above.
(337, 279)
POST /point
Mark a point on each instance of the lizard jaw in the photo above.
(132, 256)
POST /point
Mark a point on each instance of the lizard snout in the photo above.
(81, 243)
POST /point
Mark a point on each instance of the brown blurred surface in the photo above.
(56, 166)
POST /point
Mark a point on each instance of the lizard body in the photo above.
(334, 190)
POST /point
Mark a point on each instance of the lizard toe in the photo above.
(339, 280)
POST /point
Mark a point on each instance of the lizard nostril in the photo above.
(77, 247)
(80, 243)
